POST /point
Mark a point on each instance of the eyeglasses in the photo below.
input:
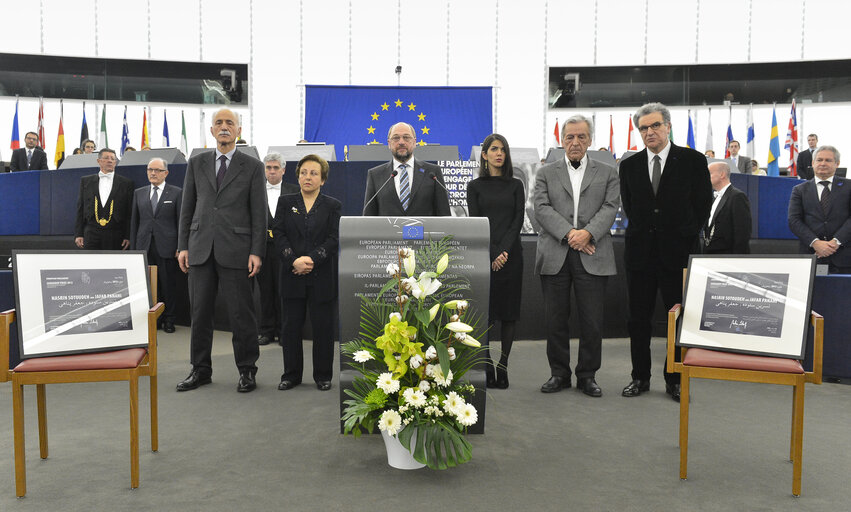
(151, 169)
(655, 127)
(396, 138)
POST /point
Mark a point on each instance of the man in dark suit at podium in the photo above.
(267, 279)
(666, 194)
(30, 157)
(104, 207)
(222, 238)
(416, 190)
(820, 213)
(729, 228)
(805, 158)
(153, 228)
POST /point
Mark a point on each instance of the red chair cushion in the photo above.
(127, 358)
(718, 359)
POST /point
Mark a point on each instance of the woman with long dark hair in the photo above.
(497, 195)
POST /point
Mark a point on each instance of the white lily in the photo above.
(410, 262)
(442, 263)
(470, 341)
(458, 327)
(425, 287)
(433, 312)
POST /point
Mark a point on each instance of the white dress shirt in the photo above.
(576, 176)
(717, 200)
(104, 185)
(273, 193)
(663, 156)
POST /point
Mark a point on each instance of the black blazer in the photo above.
(162, 225)
(808, 221)
(122, 196)
(286, 188)
(729, 230)
(805, 164)
(293, 240)
(38, 162)
(428, 199)
(665, 225)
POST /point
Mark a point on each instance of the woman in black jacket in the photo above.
(306, 232)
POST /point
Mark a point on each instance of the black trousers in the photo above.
(322, 323)
(166, 279)
(590, 293)
(270, 296)
(642, 287)
(236, 291)
(96, 238)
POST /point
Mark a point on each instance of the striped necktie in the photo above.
(404, 187)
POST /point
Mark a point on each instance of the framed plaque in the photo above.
(71, 302)
(757, 304)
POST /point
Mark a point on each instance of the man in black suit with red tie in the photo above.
(104, 207)
(222, 239)
(153, 228)
(729, 228)
(804, 163)
(820, 213)
(30, 157)
(268, 278)
(666, 194)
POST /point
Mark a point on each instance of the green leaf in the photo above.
(423, 316)
(438, 444)
(443, 357)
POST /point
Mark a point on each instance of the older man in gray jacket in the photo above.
(576, 200)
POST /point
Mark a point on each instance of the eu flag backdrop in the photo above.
(352, 115)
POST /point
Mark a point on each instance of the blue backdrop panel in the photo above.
(19, 207)
(830, 299)
(346, 182)
(774, 194)
(343, 115)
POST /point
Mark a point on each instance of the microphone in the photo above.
(460, 212)
(371, 199)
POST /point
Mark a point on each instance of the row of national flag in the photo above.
(102, 142)
(773, 166)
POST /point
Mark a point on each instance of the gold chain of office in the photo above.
(104, 222)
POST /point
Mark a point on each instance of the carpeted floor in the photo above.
(281, 450)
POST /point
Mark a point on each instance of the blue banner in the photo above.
(344, 115)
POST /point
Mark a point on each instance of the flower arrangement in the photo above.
(412, 354)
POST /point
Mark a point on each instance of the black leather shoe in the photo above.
(636, 387)
(287, 384)
(323, 385)
(262, 339)
(589, 386)
(555, 384)
(194, 380)
(246, 382)
(501, 378)
(674, 391)
(168, 327)
(490, 376)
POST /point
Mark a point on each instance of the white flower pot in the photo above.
(397, 455)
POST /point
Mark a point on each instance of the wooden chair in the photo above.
(128, 364)
(713, 364)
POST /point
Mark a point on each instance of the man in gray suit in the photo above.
(576, 200)
(153, 228)
(222, 238)
(417, 188)
(740, 162)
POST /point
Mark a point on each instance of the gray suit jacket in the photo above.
(428, 199)
(229, 222)
(743, 164)
(599, 199)
(144, 223)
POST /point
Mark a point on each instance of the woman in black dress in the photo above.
(497, 195)
(306, 232)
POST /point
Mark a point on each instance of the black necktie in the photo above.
(825, 196)
(657, 173)
(223, 168)
(575, 164)
(154, 200)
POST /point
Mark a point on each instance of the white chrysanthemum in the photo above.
(431, 353)
(424, 386)
(393, 269)
(451, 353)
(439, 378)
(467, 415)
(424, 287)
(396, 315)
(387, 383)
(407, 420)
(407, 394)
(429, 370)
(362, 356)
(433, 411)
(403, 409)
(434, 400)
(390, 422)
(415, 362)
(453, 403)
(417, 399)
